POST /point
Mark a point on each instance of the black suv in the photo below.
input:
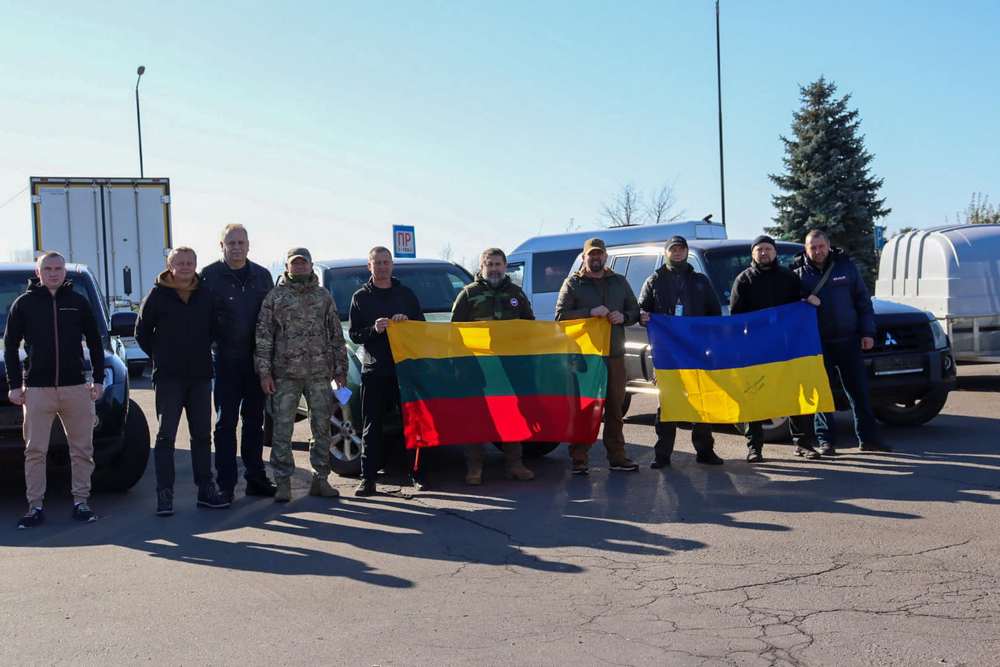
(121, 434)
(911, 369)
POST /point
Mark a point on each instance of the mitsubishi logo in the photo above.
(889, 340)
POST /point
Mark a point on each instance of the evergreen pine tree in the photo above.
(827, 183)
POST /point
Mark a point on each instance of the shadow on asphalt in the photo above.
(504, 523)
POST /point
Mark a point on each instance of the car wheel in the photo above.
(626, 404)
(345, 446)
(912, 413)
(126, 469)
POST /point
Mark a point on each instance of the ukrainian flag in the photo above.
(501, 381)
(748, 367)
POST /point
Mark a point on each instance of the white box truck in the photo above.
(119, 227)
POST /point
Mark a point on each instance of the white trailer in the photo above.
(953, 272)
(119, 227)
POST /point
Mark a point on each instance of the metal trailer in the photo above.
(119, 227)
(953, 272)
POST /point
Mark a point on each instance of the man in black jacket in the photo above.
(238, 287)
(767, 284)
(51, 319)
(846, 328)
(380, 302)
(677, 290)
(175, 328)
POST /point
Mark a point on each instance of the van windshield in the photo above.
(724, 264)
(14, 283)
(436, 285)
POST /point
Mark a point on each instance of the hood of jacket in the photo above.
(299, 285)
(801, 259)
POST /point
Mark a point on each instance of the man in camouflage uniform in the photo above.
(300, 348)
(492, 296)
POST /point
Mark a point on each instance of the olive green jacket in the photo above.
(579, 294)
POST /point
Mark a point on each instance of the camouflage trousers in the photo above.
(284, 403)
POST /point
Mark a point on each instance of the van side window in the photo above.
(549, 269)
(640, 268)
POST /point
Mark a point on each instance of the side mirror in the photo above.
(123, 323)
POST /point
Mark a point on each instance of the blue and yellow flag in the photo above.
(748, 367)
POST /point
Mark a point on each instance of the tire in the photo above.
(345, 447)
(626, 404)
(912, 413)
(533, 450)
(125, 471)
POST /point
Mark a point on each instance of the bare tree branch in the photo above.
(624, 210)
(659, 209)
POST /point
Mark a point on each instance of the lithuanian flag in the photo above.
(501, 381)
(748, 367)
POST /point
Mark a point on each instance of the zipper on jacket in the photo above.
(55, 328)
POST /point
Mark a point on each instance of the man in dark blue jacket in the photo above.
(846, 327)
(238, 287)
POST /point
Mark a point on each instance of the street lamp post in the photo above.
(138, 118)
(718, 79)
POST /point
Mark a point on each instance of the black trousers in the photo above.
(379, 397)
(845, 364)
(666, 433)
(801, 427)
(193, 397)
(238, 394)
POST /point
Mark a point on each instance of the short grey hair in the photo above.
(816, 231)
(233, 227)
(178, 250)
(49, 255)
(378, 249)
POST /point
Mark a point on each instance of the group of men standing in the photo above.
(231, 335)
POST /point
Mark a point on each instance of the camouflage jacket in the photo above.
(479, 301)
(299, 334)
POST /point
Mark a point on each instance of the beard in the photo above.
(595, 265)
(494, 279)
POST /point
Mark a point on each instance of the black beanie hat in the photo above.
(763, 238)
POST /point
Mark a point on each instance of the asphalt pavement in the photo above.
(863, 559)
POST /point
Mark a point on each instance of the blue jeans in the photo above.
(238, 394)
(845, 365)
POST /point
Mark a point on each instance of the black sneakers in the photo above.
(365, 488)
(807, 452)
(580, 468)
(754, 455)
(83, 513)
(660, 463)
(209, 496)
(165, 502)
(626, 465)
(34, 517)
(826, 449)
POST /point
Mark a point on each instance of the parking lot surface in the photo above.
(862, 559)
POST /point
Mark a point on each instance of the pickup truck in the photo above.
(121, 433)
(911, 368)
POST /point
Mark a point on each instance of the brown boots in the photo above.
(474, 455)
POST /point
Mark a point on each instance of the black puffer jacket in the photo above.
(756, 288)
(237, 305)
(177, 336)
(51, 328)
(369, 304)
(663, 290)
(845, 311)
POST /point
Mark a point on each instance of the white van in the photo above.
(541, 264)
(953, 272)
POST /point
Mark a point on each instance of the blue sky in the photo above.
(481, 123)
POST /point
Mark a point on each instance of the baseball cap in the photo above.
(676, 240)
(299, 252)
(593, 244)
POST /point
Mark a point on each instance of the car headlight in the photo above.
(940, 337)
